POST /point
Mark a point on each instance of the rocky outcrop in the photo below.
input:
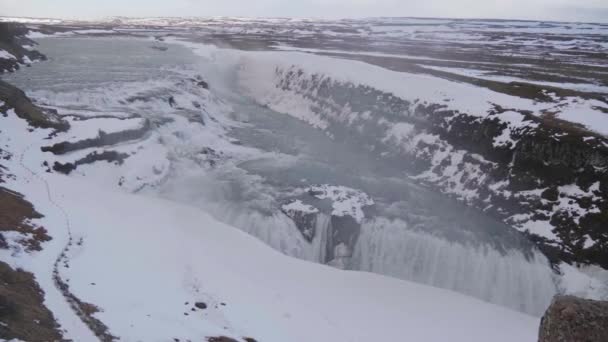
(17, 50)
(13, 42)
(304, 216)
(553, 172)
(570, 319)
(108, 156)
(103, 139)
(335, 219)
(13, 98)
(23, 315)
(15, 217)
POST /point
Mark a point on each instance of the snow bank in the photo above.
(6, 55)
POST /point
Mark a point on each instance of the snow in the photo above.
(37, 35)
(258, 75)
(486, 75)
(261, 75)
(586, 282)
(540, 228)
(93, 31)
(90, 128)
(585, 112)
(6, 55)
(299, 206)
(345, 201)
(18, 139)
(26, 20)
(515, 123)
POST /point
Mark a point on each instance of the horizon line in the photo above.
(105, 18)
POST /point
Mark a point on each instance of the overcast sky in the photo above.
(569, 10)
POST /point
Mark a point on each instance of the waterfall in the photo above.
(508, 278)
(511, 278)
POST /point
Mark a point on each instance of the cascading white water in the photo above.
(508, 279)
(390, 248)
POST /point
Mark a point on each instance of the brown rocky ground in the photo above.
(15, 216)
(23, 315)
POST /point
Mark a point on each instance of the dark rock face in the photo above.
(15, 213)
(549, 156)
(22, 310)
(14, 98)
(342, 236)
(571, 319)
(109, 156)
(305, 222)
(12, 39)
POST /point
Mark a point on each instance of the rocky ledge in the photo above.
(16, 49)
(333, 215)
(570, 319)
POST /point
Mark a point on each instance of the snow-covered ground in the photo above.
(6, 55)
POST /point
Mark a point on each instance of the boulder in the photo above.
(573, 319)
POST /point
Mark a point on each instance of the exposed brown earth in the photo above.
(15, 216)
(23, 315)
(14, 98)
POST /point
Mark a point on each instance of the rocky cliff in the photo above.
(16, 50)
(545, 176)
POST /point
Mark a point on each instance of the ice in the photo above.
(503, 277)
